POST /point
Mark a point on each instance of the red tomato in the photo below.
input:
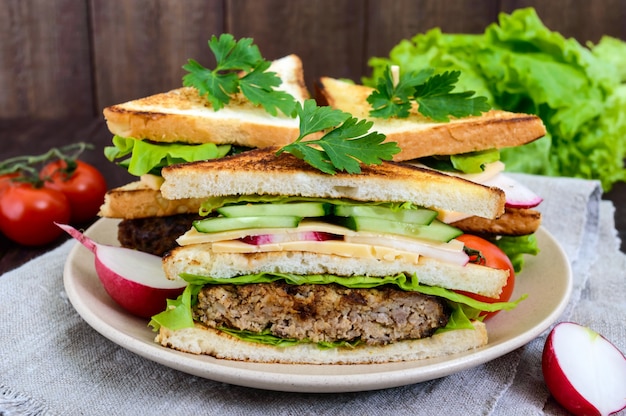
(27, 214)
(6, 180)
(490, 256)
(84, 187)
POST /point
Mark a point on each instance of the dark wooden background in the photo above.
(63, 58)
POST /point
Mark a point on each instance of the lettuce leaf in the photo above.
(522, 66)
(471, 162)
(178, 314)
(213, 203)
(516, 246)
(148, 157)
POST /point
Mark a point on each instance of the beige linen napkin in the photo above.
(52, 362)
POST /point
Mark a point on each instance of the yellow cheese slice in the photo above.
(337, 247)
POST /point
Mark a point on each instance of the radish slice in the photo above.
(135, 280)
(284, 237)
(517, 195)
(584, 372)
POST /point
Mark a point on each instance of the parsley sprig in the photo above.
(432, 93)
(345, 145)
(239, 68)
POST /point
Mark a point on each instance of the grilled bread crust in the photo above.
(261, 172)
(203, 340)
(419, 136)
(183, 115)
(138, 200)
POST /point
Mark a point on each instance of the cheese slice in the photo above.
(337, 247)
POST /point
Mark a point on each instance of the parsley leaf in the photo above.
(436, 100)
(258, 87)
(344, 147)
(432, 93)
(391, 99)
(239, 67)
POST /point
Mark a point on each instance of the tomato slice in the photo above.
(490, 255)
(83, 186)
(27, 214)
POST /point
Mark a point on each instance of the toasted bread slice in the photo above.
(200, 259)
(418, 136)
(201, 339)
(138, 200)
(182, 115)
(261, 172)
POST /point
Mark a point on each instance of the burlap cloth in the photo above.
(52, 362)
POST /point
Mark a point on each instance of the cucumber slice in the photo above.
(436, 230)
(219, 224)
(415, 216)
(296, 209)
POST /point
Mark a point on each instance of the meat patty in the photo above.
(514, 222)
(154, 235)
(322, 313)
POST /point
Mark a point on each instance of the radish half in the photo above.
(517, 194)
(584, 372)
(135, 280)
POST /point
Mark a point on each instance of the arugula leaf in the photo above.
(239, 67)
(344, 147)
(432, 93)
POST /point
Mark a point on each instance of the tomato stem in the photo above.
(28, 166)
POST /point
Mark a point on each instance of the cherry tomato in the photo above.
(6, 180)
(84, 187)
(27, 214)
(490, 256)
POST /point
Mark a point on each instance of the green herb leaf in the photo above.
(578, 90)
(258, 87)
(314, 118)
(344, 147)
(232, 55)
(395, 100)
(432, 93)
(239, 68)
(146, 157)
(436, 100)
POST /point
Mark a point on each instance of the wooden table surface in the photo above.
(21, 137)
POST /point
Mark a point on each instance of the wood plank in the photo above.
(140, 46)
(581, 19)
(44, 59)
(28, 137)
(326, 34)
(391, 22)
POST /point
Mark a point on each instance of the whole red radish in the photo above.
(584, 372)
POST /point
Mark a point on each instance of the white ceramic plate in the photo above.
(546, 279)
